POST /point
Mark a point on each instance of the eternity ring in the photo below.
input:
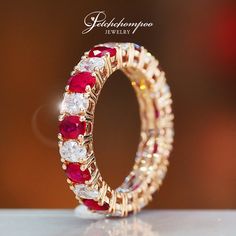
(76, 128)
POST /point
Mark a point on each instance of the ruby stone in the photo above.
(156, 111)
(71, 127)
(93, 205)
(155, 148)
(78, 83)
(101, 51)
(75, 174)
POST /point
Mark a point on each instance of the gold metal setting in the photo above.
(156, 136)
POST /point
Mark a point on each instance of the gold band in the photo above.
(76, 128)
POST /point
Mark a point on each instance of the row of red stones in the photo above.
(71, 126)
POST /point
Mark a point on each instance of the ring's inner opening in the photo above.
(116, 129)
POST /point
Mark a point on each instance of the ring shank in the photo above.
(148, 162)
(156, 136)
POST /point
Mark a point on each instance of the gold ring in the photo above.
(76, 128)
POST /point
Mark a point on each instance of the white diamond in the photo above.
(161, 174)
(165, 89)
(143, 203)
(170, 132)
(110, 44)
(117, 213)
(147, 57)
(74, 103)
(124, 46)
(81, 190)
(89, 64)
(72, 151)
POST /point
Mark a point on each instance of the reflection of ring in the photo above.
(124, 227)
(76, 127)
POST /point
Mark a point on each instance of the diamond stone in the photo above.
(74, 103)
(161, 174)
(81, 190)
(72, 151)
(124, 46)
(165, 89)
(110, 44)
(89, 64)
(147, 57)
(117, 213)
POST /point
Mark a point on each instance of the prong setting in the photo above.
(157, 133)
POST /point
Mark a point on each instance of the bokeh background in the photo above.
(195, 42)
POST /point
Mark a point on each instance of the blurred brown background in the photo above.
(195, 42)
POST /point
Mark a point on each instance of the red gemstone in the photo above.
(79, 82)
(155, 148)
(75, 174)
(71, 127)
(93, 205)
(101, 51)
(156, 111)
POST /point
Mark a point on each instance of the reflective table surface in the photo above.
(147, 222)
